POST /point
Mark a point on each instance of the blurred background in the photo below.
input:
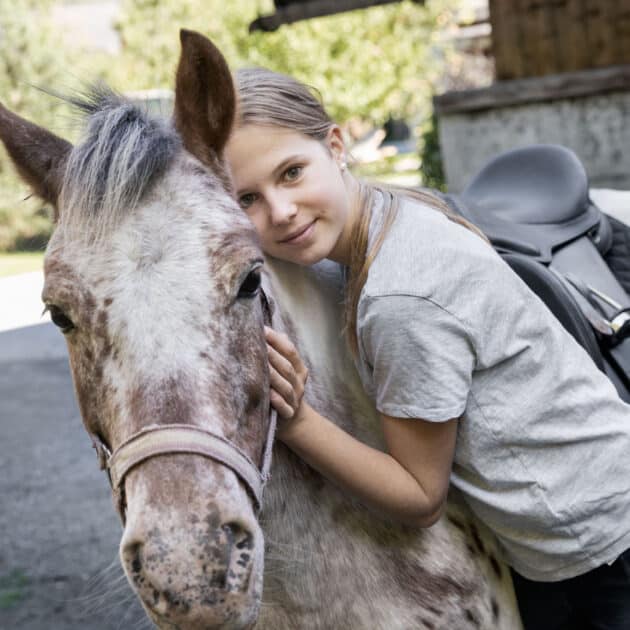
(426, 92)
(376, 69)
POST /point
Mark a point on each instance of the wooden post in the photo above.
(539, 37)
(623, 28)
(506, 43)
(574, 32)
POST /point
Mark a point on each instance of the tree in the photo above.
(26, 60)
(371, 63)
(368, 64)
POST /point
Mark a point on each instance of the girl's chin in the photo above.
(306, 261)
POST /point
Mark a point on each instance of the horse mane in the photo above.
(122, 152)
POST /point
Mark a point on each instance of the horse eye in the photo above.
(251, 284)
(60, 320)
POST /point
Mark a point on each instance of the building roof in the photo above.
(289, 11)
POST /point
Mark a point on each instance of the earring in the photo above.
(344, 165)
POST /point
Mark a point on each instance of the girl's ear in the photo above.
(336, 145)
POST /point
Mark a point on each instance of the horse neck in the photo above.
(308, 305)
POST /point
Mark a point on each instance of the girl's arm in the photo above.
(408, 484)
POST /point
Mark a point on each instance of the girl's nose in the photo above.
(282, 209)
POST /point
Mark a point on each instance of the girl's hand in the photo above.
(288, 376)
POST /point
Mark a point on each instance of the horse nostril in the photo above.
(237, 535)
(133, 557)
(241, 556)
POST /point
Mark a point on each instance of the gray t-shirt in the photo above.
(446, 329)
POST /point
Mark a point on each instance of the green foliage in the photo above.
(431, 167)
(12, 588)
(30, 55)
(370, 63)
(20, 262)
(367, 64)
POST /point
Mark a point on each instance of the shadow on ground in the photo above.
(58, 530)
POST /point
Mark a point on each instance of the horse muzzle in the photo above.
(192, 547)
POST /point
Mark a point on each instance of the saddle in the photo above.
(533, 204)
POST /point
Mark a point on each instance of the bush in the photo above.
(26, 42)
(372, 63)
(431, 167)
(354, 59)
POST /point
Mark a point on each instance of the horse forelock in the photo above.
(123, 151)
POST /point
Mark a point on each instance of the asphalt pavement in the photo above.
(59, 534)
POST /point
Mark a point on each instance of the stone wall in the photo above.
(477, 125)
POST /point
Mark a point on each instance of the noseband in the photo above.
(166, 439)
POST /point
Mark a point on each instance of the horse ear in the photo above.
(205, 99)
(38, 155)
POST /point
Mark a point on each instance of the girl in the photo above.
(475, 381)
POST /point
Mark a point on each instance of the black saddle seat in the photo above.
(543, 183)
(531, 200)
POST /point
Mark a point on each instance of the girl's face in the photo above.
(294, 190)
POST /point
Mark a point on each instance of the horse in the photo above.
(156, 278)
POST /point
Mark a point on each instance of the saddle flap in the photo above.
(582, 259)
(559, 300)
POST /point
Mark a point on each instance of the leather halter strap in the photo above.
(167, 439)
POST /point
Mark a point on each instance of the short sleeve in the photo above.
(420, 356)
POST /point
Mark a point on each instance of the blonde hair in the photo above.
(276, 100)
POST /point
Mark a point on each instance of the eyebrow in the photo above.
(292, 158)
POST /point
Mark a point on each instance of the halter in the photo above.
(165, 439)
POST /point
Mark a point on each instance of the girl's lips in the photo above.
(302, 236)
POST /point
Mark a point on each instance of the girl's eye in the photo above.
(60, 319)
(292, 173)
(245, 201)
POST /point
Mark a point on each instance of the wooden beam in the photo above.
(535, 90)
(307, 9)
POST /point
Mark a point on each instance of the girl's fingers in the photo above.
(281, 385)
(280, 405)
(287, 374)
(282, 344)
(280, 363)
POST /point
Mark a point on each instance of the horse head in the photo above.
(153, 275)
